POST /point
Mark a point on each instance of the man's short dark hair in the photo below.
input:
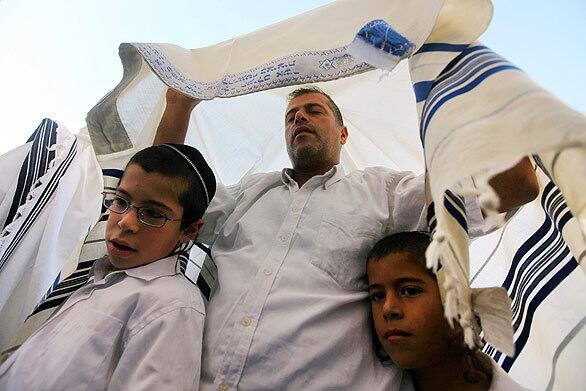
(315, 90)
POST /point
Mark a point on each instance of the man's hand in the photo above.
(516, 186)
(175, 119)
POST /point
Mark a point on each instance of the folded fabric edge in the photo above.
(104, 125)
(380, 45)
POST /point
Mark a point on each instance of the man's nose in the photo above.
(300, 117)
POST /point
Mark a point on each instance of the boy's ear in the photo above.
(190, 232)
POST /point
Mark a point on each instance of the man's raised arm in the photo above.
(175, 119)
(516, 186)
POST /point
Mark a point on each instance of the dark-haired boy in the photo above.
(138, 322)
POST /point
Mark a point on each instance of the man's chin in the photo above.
(307, 157)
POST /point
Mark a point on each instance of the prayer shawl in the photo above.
(49, 187)
(532, 256)
(480, 114)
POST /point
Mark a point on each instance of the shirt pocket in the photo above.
(343, 242)
(71, 350)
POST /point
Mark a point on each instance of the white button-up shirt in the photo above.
(134, 329)
(291, 310)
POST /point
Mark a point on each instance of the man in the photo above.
(291, 310)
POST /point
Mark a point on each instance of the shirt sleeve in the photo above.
(165, 354)
(408, 208)
(221, 207)
(406, 192)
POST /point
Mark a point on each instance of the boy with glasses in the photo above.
(138, 322)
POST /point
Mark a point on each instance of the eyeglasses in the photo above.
(146, 215)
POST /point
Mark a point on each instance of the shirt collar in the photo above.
(168, 266)
(335, 174)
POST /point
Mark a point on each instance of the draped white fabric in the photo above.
(241, 131)
(50, 217)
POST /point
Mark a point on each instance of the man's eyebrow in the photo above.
(315, 104)
(307, 105)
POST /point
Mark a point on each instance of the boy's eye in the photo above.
(377, 296)
(152, 213)
(118, 204)
(410, 291)
(119, 201)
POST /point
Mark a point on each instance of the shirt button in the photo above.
(268, 271)
(246, 321)
(284, 238)
(295, 209)
(223, 387)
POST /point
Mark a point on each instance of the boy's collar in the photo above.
(168, 266)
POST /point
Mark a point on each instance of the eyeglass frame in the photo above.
(138, 210)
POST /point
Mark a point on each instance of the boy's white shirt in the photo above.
(139, 328)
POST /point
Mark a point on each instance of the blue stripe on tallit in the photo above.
(543, 293)
(468, 70)
(463, 90)
(206, 286)
(441, 47)
(471, 84)
(537, 268)
(431, 219)
(65, 288)
(459, 75)
(556, 207)
(35, 164)
(455, 207)
(422, 89)
(463, 59)
(112, 172)
(40, 203)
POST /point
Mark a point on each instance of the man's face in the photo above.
(312, 135)
(407, 311)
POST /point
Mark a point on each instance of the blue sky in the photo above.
(59, 57)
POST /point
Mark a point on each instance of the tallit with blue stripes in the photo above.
(533, 257)
(478, 116)
(48, 188)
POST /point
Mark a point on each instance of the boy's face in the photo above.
(407, 310)
(131, 243)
